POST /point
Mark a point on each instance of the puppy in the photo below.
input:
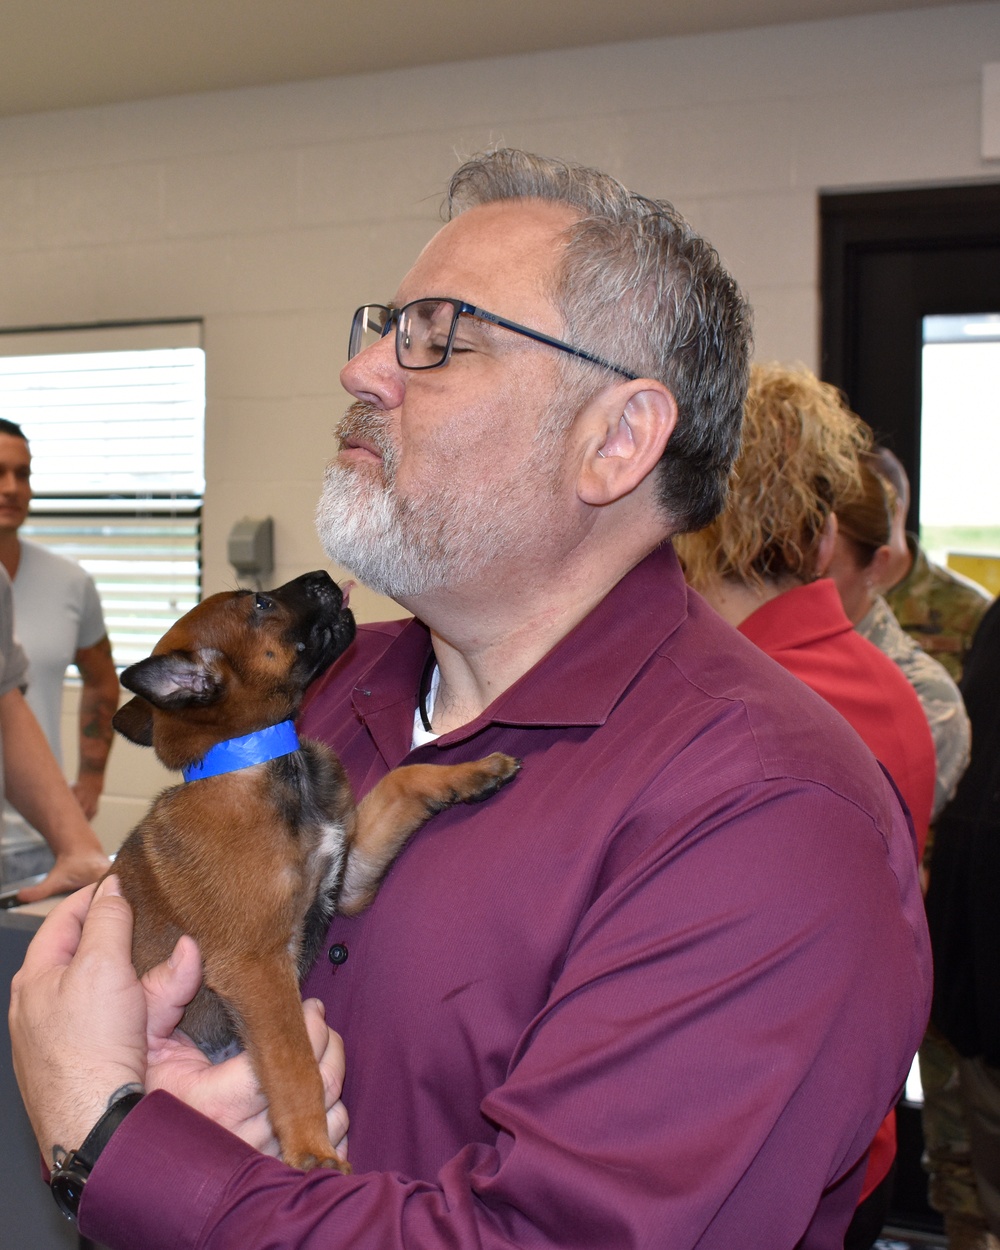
(252, 855)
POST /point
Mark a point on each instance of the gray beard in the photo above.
(402, 547)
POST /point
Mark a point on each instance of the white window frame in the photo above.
(140, 539)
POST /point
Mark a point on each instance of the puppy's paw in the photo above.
(305, 1162)
(490, 775)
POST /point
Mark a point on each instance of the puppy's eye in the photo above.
(262, 603)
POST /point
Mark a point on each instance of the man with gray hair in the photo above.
(660, 991)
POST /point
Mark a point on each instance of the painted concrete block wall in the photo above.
(271, 213)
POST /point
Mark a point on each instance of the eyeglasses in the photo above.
(425, 332)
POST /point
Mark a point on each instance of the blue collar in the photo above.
(235, 753)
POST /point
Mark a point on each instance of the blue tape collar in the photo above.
(236, 753)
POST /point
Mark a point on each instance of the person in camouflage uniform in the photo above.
(940, 610)
(937, 692)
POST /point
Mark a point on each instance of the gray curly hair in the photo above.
(635, 284)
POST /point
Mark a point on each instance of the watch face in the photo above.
(67, 1185)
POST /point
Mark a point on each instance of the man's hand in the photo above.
(83, 1026)
(37, 788)
(71, 870)
(77, 1017)
(227, 1092)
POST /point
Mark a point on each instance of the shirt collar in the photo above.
(578, 682)
(798, 617)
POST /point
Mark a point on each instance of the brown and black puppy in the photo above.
(253, 860)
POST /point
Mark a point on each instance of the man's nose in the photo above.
(375, 375)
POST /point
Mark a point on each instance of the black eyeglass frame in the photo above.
(394, 314)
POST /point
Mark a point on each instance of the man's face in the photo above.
(15, 482)
(446, 475)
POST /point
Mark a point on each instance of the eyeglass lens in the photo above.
(370, 324)
(424, 329)
(424, 333)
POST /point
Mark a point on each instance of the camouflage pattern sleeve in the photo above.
(939, 609)
(939, 697)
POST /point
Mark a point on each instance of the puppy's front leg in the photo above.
(264, 994)
(399, 804)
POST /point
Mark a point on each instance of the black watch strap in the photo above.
(69, 1177)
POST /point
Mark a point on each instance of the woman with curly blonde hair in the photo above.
(763, 564)
(801, 447)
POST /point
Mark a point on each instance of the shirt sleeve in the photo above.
(13, 661)
(91, 628)
(725, 993)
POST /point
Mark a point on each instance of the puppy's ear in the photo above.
(134, 720)
(177, 680)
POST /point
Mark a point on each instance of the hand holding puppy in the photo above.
(228, 1092)
(78, 1018)
(84, 1027)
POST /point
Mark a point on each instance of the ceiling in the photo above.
(58, 54)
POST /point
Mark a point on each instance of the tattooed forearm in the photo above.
(98, 704)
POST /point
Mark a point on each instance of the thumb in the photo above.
(108, 923)
(170, 986)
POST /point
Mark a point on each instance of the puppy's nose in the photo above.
(316, 585)
(319, 581)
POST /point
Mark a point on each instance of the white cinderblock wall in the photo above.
(271, 213)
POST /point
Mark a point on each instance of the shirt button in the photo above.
(338, 954)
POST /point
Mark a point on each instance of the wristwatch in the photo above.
(69, 1177)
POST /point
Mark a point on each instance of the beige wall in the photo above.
(271, 213)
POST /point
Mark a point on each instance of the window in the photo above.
(115, 417)
(960, 444)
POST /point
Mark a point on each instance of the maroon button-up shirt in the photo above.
(658, 992)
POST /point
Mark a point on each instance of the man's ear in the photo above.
(134, 720)
(631, 428)
(176, 680)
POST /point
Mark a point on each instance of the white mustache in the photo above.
(364, 422)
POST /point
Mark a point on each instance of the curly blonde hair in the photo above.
(799, 462)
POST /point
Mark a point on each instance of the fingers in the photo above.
(337, 1124)
(69, 872)
(77, 1021)
(314, 1011)
(328, 1048)
(108, 925)
(169, 988)
(35, 893)
(229, 1094)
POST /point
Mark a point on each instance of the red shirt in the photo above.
(807, 631)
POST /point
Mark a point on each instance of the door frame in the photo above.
(888, 259)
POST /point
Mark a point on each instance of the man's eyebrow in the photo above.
(469, 320)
